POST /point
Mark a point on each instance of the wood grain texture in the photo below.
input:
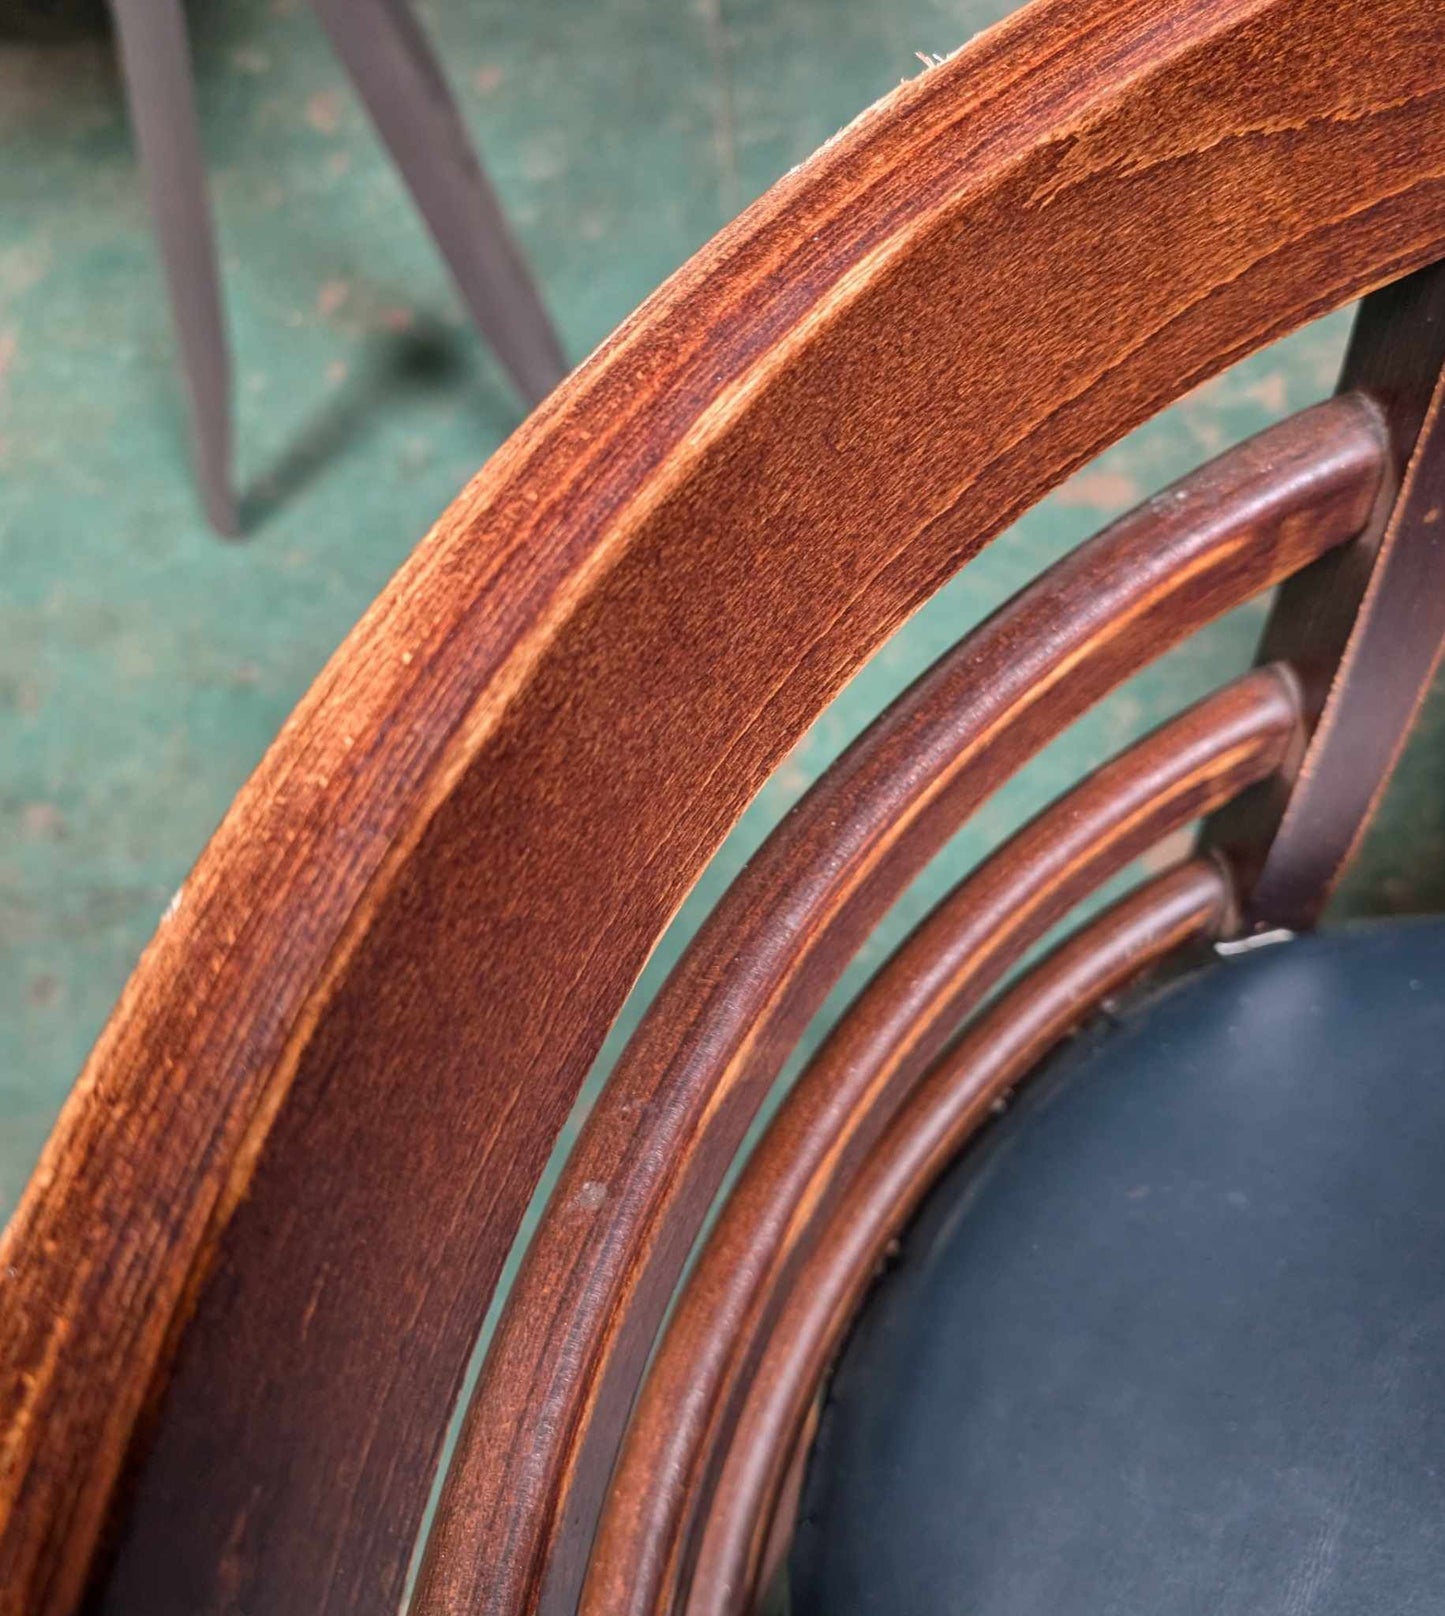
(541, 1438)
(1191, 903)
(1363, 627)
(840, 1106)
(253, 1261)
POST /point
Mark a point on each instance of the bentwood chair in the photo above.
(1167, 1333)
(402, 85)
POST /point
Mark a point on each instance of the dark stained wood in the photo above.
(541, 1437)
(1363, 627)
(839, 1107)
(253, 1262)
(1189, 904)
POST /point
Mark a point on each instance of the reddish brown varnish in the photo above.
(239, 1295)
(1190, 904)
(543, 1431)
(834, 1114)
(661, 1494)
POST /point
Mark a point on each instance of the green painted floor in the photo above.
(145, 664)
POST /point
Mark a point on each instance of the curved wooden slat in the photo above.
(273, 1213)
(846, 1097)
(539, 1444)
(1191, 903)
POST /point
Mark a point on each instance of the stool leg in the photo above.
(385, 52)
(155, 63)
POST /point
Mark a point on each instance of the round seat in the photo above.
(1170, 1336)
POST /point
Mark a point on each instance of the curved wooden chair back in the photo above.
(242, 1289)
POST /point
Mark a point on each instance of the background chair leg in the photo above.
(155, 63)
(387, 55)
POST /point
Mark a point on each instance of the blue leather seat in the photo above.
(1170, 1337)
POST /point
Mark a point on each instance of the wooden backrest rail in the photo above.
(653, 1544)
(542, 1434)
(838, 1108)
(663, 1490)
(1190, 904)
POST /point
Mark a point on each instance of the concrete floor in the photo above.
(145, 664)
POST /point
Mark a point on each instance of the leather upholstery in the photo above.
(1170, 1338)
